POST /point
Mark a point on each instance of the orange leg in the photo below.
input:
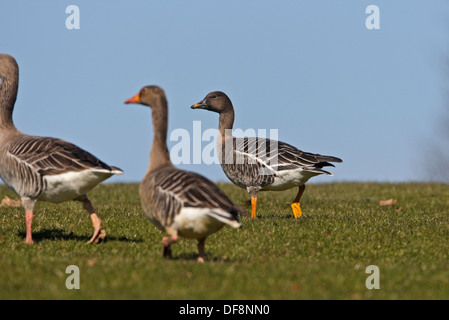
(253, 206)
(296, 208)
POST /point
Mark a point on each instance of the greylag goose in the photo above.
(42, 168)
(259, 164)
(181, 203)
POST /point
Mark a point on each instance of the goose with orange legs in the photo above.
(259, 164)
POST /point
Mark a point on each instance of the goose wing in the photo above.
(290, 157)
(50, 156)
(28, 159)
(248, 162)
(174, 189)
(271, 155)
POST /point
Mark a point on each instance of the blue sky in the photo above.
(310, 69)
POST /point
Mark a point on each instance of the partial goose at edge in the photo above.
(43, 168)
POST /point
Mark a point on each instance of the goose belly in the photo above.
(71, 185)
(196, 223)
(287, 179)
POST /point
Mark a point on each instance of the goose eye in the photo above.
(213, 97)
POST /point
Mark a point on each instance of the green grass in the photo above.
(323, 255)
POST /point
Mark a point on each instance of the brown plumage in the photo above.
(258, 164)
(182, 203)
(43, 168)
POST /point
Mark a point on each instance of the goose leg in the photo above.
(99, 232)
(28, 204)
(29, 221)
(296, 208)
(166, 242)
(253, 206)
(201, 250)
(253, 192)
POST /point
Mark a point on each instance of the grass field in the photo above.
(323, 255)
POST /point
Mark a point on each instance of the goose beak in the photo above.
(199, 105)
(134, 99)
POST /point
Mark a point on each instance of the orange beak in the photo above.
(134, 99)
(199, 105)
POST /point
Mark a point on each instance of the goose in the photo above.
(44, 168)
(181, 203)
(259, 164)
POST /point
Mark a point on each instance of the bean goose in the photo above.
(259, 164)
(43, 168)
(181, 203)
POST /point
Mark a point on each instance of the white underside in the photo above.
(288, 179)
(198, 223)
(71, 185)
